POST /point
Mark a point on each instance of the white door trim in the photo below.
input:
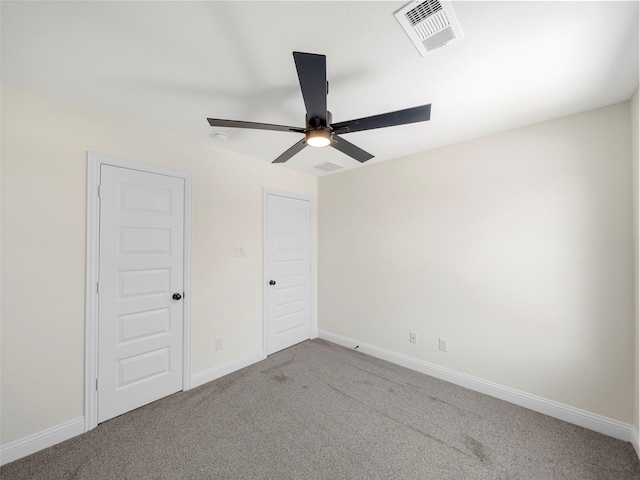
(94, 162)
(265, 281)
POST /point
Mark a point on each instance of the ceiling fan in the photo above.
(319, 131)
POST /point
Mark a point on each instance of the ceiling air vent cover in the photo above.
(430, 24)
(329, 167)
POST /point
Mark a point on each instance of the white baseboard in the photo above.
(576, 416)
(214, 373)
(47, 438)
(635, 440)
(37, 441)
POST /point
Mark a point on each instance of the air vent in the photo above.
(430, 24)
(329, 167)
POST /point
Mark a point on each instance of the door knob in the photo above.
(272, 282)
(177, 296)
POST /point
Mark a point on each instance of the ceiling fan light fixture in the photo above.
(319, 137)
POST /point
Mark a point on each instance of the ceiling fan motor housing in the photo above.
(316, 122)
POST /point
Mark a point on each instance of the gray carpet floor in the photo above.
(320, 411)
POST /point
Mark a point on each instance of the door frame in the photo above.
(94, 162)
(312, 247)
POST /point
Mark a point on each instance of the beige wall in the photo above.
(44, 152)
(635, 144)
(517, 248)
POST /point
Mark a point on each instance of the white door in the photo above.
(141, 268)
(288, 271)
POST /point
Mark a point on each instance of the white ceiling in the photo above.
(170, 65)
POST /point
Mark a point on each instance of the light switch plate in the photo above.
(239, 251)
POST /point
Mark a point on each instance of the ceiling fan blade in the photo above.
(217, 122)
(291, 151)
(350, 149)
(312, 74)
(400, 117)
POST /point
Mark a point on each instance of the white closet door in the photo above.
(288, 263)
(140, 312)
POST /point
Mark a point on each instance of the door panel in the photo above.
(136, 326)
(288, 263)
(144, 241)
(141, 267)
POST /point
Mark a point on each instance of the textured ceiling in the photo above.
(170, 65)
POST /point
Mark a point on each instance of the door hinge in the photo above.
(99, 192)
(98, 288)
(96, 384)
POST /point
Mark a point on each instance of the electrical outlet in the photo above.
(219, 343)
(444, 344)
(413, 337)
